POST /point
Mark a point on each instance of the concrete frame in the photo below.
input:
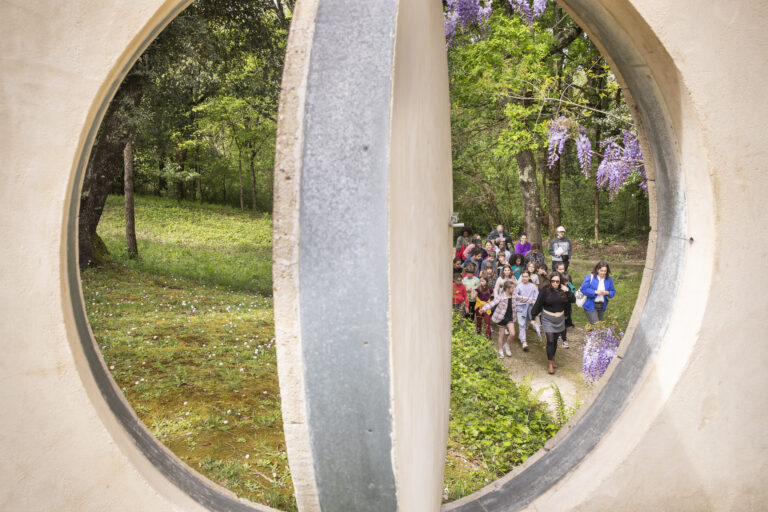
(674, 426)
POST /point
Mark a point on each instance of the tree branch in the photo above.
(565, 39)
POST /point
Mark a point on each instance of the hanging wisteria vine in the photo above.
(464, 14)
(530, 10)
(620, 161)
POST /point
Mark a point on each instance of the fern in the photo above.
(562, 412)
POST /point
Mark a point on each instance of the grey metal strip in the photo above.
(343, 233)
(179, 474)
(536, 479)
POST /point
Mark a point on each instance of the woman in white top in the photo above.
(598, 287)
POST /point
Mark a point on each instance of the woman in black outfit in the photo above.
(551, 304)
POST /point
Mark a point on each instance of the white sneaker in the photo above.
(525, 347)
(501, 353)
(565, 344)
(507, 350)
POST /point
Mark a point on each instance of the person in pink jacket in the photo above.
(504, 317)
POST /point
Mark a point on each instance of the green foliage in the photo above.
(496, 423)
(505, 85)
(208, 244)
(201, 103)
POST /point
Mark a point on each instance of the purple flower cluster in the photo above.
(584, 151)
(559, 133)
(619, 163)
(529, 10)
(600, 347)
(465, 14)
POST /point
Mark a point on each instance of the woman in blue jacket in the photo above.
(598, 287)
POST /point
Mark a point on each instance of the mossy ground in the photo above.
(197, 363)
(187, 332)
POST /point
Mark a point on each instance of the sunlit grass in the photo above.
(210, 244)
(197, 363)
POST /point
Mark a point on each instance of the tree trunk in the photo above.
(130, 223)
(553, 193)
(240, 175)
(544, 218)
(598, 135)
(529, 189)
(105, 160)
(178, 183)
(597, 214)
(199, 179)
(253, 179)
(161, 183)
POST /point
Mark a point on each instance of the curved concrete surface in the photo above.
(679, 424)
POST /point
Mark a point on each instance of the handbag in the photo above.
(580, 297)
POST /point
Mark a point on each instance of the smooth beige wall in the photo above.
(420, 187)
(61, 449)
(693, 438)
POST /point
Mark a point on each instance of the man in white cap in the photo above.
(560, 248)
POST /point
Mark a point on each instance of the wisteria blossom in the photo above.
(464, 14)
(559, 133)
(584, 151)
(620, 160)
(600, 348)
(530, 10)
(619, 163)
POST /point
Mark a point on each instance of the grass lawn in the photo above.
(209, 244)
(187, 331)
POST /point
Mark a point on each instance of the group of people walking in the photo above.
(494, 286)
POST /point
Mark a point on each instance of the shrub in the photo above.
(492, 417)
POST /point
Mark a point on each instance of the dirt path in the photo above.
(567, 376)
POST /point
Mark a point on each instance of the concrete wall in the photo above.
(679, 425)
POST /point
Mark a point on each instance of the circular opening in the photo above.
(521, 87)
(574, 442)
(536, 477)
(174, 469)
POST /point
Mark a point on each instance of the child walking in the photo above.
(484, 293)
(505, 274)
(526, 294)
(471, 282)
(460, 302)
(517, 265)
(503, 316)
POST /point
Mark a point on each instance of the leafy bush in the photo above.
(492, 417)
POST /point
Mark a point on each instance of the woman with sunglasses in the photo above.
(551, 304)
